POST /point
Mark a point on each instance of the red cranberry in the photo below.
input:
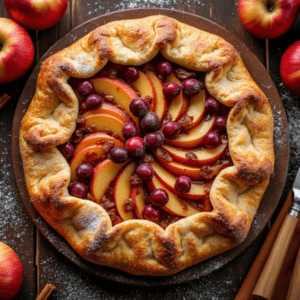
(145, 172)
(220, 123)
(93, 101)
(191, 87)
(118, 155)
(212, 140)
(129, 130)
(153, 140)
(131, 74)
(135, 146)
(171, 130)
(67, 150)
(183, 184)
(139, 107)
(164, 68)
(171, 90)
(151, 213)
(159, 197)
(85, 88)
(78, 189)
(84, 171)
(211, 105)
(150, 122)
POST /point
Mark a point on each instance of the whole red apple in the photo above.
(16, 50)
(11, 272)
(36, 14)
(290, 68)
(268, 19)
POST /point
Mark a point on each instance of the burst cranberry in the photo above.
(153, 140)
(118, 155)
(139, 107)
(84, 171)
(164, 68)
(150, 122)
(183, 184)
(85, 88)
(93, 101)
(171, 90)
(151, 213)
(78, 189)
(220, 123)
(129, 130)
(191, 87)
(131, 74)
(135, 147)
(212, 140)
(171, 130)
(67, 150)
(211, 105)
(145, 172)
(159, 197)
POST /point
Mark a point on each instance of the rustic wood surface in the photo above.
(42, 263)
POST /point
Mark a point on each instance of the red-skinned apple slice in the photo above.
(196, 192)
(194, 137)
(175, 205)
(161, 107)
(137, 194)
(122, 191)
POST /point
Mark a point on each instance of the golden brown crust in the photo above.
(139, 246)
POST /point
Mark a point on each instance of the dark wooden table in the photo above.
(43, 264)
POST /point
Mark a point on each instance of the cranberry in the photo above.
(171, 90)
(145, 172)
(191, 87)
(93, 101)
(164, 68)
(211, 105)
(150, 122)
(151, 213)
(212, 140)
(139, 107)
(84, 171)
(183, 184)
(159, 197)
(153, 140)
(118, 155)
(85, 88)
(67, 150)
(135, 147)
(129, 130)
(78, 189)
(171, 130)
(220, 123)
(131, 74)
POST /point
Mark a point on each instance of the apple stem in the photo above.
(270, 5)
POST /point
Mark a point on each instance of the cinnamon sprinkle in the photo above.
(3, 99)
(46, 292)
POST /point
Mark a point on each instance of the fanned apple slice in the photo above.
(178, 105)
(122, 191)
(161, 107)
(137, 194)
(175, 206)
(103, 175)
(97, 139)
(145, 87)
(168, 180)
(194, 137)
(204, 155)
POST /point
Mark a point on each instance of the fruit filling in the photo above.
(148, 143)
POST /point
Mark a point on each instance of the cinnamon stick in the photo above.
(3, 99)
(46, 292)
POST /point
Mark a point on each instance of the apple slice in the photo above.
(122, 191)
(175, 205)
(204, 155)
(168, 180)
(194, 137)
(97, 139)
(137, 194)
(161, 102)
(103, 175)
(178, 105)
(145, 87)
